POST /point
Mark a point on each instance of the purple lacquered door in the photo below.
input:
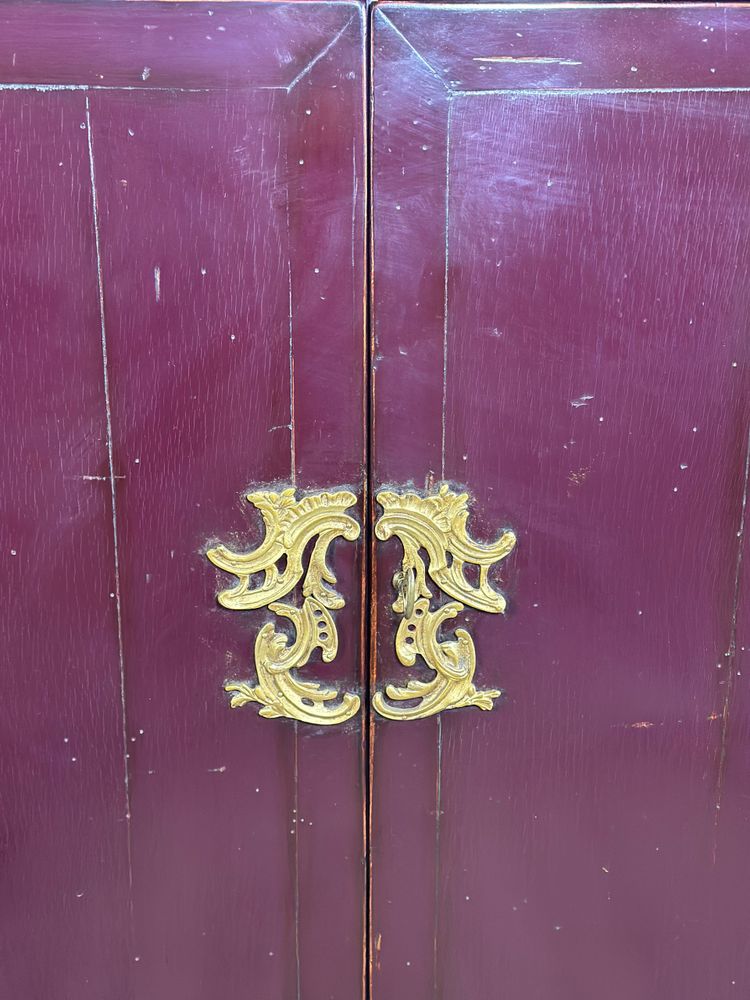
(182, 224)
(561, 205)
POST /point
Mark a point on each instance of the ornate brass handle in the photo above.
(290, 525)
(437, 525)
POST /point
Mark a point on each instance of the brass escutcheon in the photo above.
(436, 525)
(290, 525)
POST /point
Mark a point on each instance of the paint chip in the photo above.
(582, 400)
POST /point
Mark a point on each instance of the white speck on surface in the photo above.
(674, 489)
(131, 132)
(301, 163)
(308, 111)
(74, 759)
(157, 283)
(601, 420)
(633, 69)
(695, 430)
(13, 552)
(146, 73)
(137, 461)
(217, 770)
(734, 364)
(65, 739)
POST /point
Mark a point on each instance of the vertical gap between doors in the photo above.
(369, 608)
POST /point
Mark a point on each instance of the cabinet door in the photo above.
(182, 275)
(561, 202)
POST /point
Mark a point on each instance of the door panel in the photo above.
(63, 839)
(226, 150)
(560, 300)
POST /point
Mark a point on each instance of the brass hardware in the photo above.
(405, 582)
(290, 525)
(437, 525)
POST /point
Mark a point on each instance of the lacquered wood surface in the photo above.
(189, 850)
(560, 311)
(63, 805)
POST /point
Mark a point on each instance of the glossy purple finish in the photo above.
(407, 331)
(587, 838)
(229, 188)
(169, 44)
(63, 834)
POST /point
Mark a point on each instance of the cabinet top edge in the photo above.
(571, 5)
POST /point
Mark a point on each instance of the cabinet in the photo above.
(355, 264)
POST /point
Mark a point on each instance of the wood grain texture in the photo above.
(408, 198)
(325, 139)
(164, 45)
(596, 401)
(63, 807)
(229, 217)
(622, 46)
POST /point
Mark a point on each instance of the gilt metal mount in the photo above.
(436, 526)
(291, 524)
